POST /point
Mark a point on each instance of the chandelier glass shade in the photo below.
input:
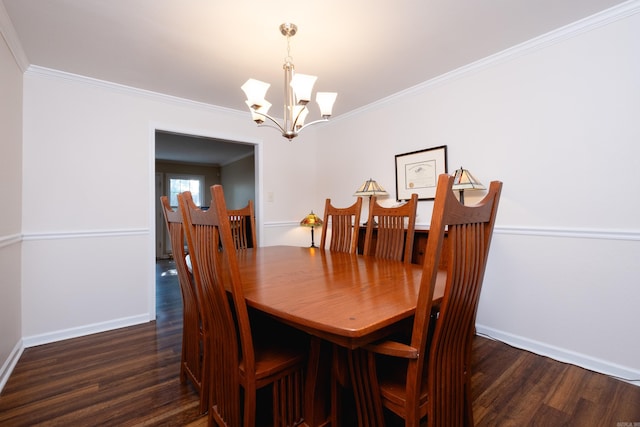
(298, 90)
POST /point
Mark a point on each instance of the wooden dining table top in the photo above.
(350, 300)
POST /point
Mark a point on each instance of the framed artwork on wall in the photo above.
(417, 172)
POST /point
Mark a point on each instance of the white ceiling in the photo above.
(204, 50)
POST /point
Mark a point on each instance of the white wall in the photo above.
(11, 196)
(239, 182)
(88, 197)
(557, 121)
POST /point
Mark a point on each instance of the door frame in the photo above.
(240, 139)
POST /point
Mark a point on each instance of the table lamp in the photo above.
(311, 220)
(370, 188)
(463, 180)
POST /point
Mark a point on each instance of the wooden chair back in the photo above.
(438, 370)
(391, 240)
(345, 224)
(233, 360)
(191, 361)
(206, 230)
(243, 226)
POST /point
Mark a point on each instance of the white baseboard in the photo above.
(10, 363)
(32, 341)
(81, 331)
(622, 373)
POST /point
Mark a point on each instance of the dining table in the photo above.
(341, 299)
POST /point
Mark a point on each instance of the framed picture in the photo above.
(417, 172)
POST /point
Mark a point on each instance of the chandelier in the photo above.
(297, 94)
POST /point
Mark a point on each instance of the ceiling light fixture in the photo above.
(297, 94)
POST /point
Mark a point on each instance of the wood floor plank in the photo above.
(566, 395)
(130, 377)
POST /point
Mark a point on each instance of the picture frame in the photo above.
(417, 172)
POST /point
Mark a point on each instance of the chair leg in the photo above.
(288, 400)
(249, 418)
(468, 419)
(340, 380)
(365, 388)
(316, 384)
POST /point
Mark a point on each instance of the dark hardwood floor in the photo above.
(129, 377)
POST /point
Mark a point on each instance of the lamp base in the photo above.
(375, 223)
(312, 243)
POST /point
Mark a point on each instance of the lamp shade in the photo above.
(325, 101)
(370, 188)
(302, 85)
(463, 180)
(311, 220)
(256, 91)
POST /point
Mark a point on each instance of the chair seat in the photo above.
(392, 374)
(277, 347)
(275, 360)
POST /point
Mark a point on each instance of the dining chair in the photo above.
(191, 356)
(345, 224)
(345, 230)
(429, 377)
(243, 229)
(387, 238)
(243, 226)
(241, 361)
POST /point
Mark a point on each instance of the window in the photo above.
(180, 183)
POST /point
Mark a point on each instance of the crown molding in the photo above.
(120, 88)
(10, 36)
(574, 29)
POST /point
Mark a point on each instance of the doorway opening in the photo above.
(200, 162)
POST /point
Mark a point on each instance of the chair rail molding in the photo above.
(10, 240)
(581, 233)
(85, 234)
